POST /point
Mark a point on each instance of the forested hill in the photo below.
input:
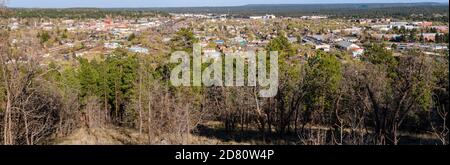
(348, 5)
(407, 11)
(360, 10)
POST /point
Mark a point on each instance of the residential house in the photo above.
(263, 17)
(423, 24)
(429, 37)
(351, 47)
(441, 29)
(350, 39)
(112, 45)
(138, 49)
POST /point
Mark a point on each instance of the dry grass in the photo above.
(212, 134)
(125, 136)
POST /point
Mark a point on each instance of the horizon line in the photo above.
(324, 3)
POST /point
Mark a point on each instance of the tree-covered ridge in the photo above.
(81, 13)
(402, 11)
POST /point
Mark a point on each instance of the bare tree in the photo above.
(440, 129)
(31, 112)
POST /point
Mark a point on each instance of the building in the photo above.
(314, 17)
(383, 28)
(351, 47)
(263, 17)
(320, 38)
(112, 45)
(353, 30)
(138, 49)
(429, 37)
(400, 25)
(345, 45)
(441, 29)
(350, 39)
(322, 46)
(423, 24)
(316, 42)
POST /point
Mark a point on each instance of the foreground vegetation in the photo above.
(323, 99)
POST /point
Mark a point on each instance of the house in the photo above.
(263, 17)
(316, 43)
(314, 17)
(423, 24)
(320, 38)
(350, 39)
(400, 25)
(351, 47)
(439, 47)
(381, 27)
(390, 37)
(345, 45)
(429, 37)
(353, 30)
(362, 21)
(441, 29)
(269, 16)
(113, 45)
(322, 46)
(356, 52)
(138, 49)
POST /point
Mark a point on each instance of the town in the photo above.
(65, 39)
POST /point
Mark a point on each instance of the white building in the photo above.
(324, 47)
(138, 49)
(264, 17)
(351, 47)
(113, 45)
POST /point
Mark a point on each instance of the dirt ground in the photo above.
(112, 135)
(210, 133)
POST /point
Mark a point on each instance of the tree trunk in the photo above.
(27, 132)
(7, 135)
(149, 117)
(140, 103)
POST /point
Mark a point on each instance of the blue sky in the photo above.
(178, 3)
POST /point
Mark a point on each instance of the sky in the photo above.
(178, 3)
